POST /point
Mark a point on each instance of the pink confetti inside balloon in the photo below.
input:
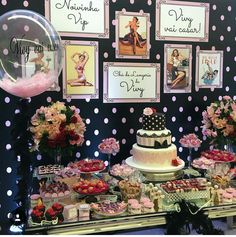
(28, 67)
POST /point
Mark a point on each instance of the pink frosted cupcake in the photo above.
(48, 195)
(230, 190)
(135, 208)
(132, 201)
(144, 199)
(227, 198)
(54, 195)
(34, 198)
(148, 207)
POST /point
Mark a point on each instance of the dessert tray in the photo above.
(219, 156)
(109, 209)
(91, 187)
(131, 163)
(88, 166)
(181, 193)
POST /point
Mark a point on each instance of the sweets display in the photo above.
(70, 212)
(39, 213)
(190, 141)
(145, 205)
(203, 163)
(218, 155)
(68, 175)
(109, 208)
(54, 189)
(130, 190)
(121, 170)
(187, 185)
(93, 186)
(109, 146)
(154, 149)
(67, 172)
(88, 165)
(48, 169)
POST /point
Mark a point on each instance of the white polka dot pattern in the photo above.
(183, 112)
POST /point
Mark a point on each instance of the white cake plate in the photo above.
(129, 161)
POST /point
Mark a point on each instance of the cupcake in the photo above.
(148, 207)
(132, 201)
(57, 207)
(144, 199)
(37, 216)
(34, 199)
(227, 198)
(230, 190)
(135, 208)
(50, 214)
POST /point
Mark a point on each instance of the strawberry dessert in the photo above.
(88, 165)
(218, 155)
(90, 187)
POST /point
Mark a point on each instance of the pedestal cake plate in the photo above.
(158, 174)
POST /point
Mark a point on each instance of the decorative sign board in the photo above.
(131, 82)
(82, 18)
(182, 21)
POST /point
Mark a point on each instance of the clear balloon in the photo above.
(30, 53)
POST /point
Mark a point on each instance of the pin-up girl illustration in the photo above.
(80, 68)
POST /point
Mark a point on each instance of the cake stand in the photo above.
(159, 174)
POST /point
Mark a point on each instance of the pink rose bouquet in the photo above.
(219, 121)
(190, 141)
(57, 128)
(109, 146)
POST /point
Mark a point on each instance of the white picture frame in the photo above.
(177, 68)
(131, 82)
(132, 35)
(209, 69)
(182, 21)
(83, 18)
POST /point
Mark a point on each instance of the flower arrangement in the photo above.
(149, 111)
(190, 141)
(219, 121)
(109, 146)
(57, 128)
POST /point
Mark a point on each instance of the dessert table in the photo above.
(115, 224)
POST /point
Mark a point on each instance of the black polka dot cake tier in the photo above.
(152, 120)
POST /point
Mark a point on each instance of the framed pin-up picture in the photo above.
(209, 69)
(132, 35)
(182, 20)
(40, 60)
(177, 68)
(131, 82)
(80, 70)
(81, 18)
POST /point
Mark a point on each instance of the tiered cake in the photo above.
(154, 150)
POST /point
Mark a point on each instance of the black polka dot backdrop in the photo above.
(183, 111)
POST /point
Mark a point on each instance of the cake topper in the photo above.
(149, 111)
